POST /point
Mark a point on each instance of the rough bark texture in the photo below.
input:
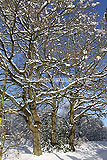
(53, 141)
(36, 133)
(71, 140)
(36, 143)
(35, 128)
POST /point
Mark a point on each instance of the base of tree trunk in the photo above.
(0, 157)
(72, 147)
(53, 136)
(71, 140)
(1, 152)
(36, 144)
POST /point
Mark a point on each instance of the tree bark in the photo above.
(71, 138)
(34, 123)
(53, 138)
(1, 149)
(35, 128)
(0, 157)
(37, 142)
(53, 134)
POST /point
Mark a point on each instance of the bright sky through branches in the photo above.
(101, 9)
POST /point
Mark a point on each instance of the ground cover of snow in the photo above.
(87, 151)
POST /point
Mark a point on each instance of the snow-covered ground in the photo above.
(87, 151)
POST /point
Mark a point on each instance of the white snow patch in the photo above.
(36, 29)
(85, 51)
(81, 1)
(87, 151)
(104, 49)
(95, 4)
(86, 57)
(98, 58)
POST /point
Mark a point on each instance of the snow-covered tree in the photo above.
(92, 128)
(44, 40)
(86, 64)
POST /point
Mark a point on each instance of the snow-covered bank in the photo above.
(87, 151)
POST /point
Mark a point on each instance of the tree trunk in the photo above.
(71, 138)
(36, 133)
(37, 143)
(0, 152)
(0, 157)
(53, 138)
(35, 128)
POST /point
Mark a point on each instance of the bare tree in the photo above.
(32, 35)
(87, 58)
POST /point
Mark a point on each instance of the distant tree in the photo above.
(91, 128)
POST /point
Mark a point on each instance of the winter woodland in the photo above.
(53, 84)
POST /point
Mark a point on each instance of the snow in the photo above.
(67, 65)
(85, 51)
(36, 29)
(81, 1)
(98, 57)
(86, 151)
(104, 50)
(71, 6)
(95, 4)
(85, 57)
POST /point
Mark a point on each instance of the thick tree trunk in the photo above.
(36, 133)
(53, 138)
(71, 138)
(35, 128)
(37, 143)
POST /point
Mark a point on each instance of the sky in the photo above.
(101, 9)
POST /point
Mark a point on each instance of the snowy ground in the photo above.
(87, 151)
